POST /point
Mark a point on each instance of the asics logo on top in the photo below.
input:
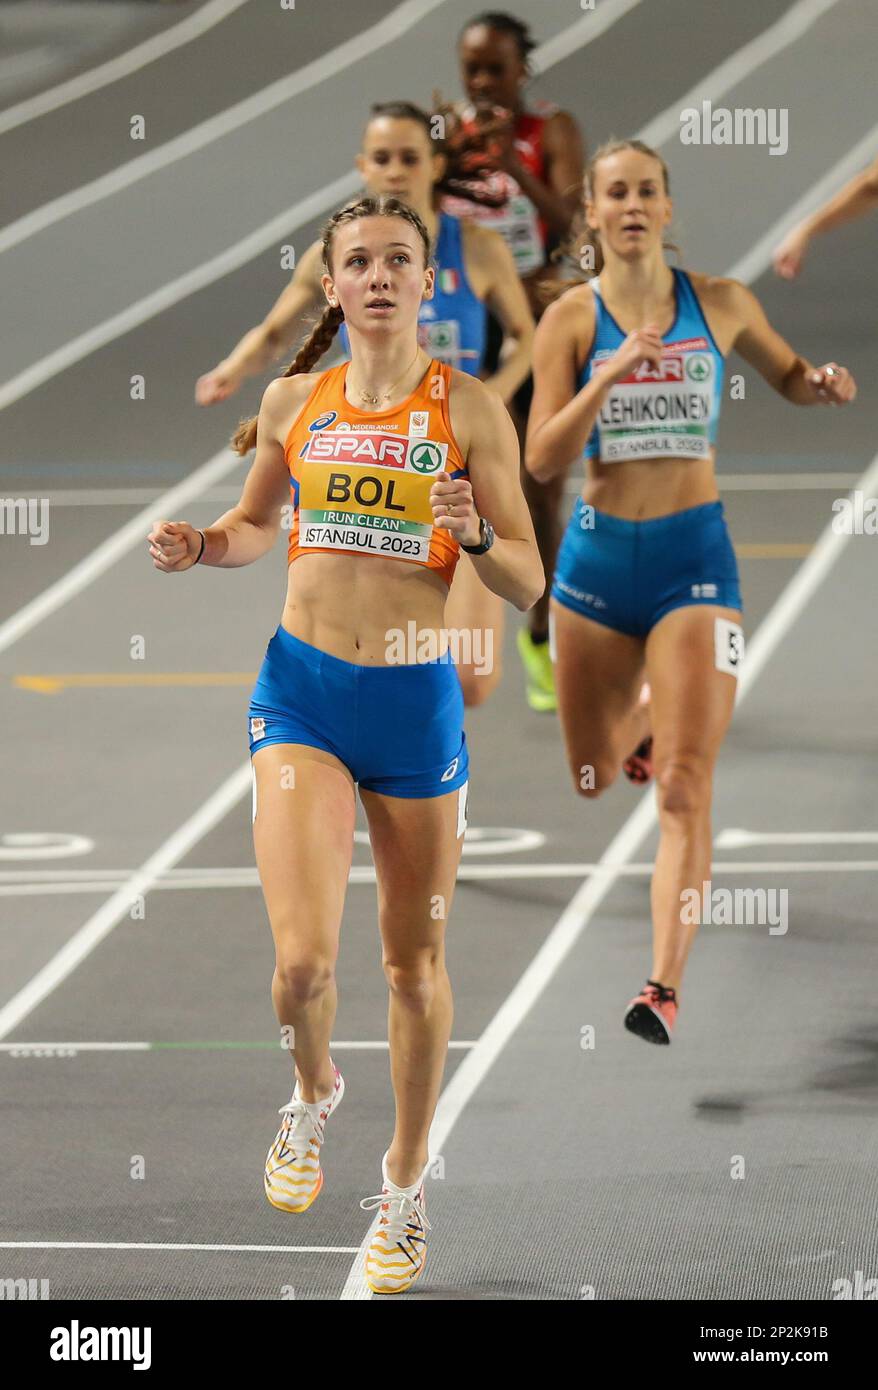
(323, 421)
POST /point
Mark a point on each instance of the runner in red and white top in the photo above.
(533, 153)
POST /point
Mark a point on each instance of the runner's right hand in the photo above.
(643, 345)
(789, 255)
(174, 546)
(216, 386)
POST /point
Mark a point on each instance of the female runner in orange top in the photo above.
(393, 461)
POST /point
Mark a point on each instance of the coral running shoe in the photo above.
(638, 767)
(653, 1013)
(293, 1176)
(398, 1251)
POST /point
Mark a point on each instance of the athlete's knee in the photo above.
(414, 981)
(303, 978)
(683, 786)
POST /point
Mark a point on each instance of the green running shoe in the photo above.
(538, 670)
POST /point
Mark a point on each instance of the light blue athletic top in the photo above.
(666, 412)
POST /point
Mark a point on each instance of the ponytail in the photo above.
(317, 343)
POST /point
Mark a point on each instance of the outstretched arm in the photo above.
(859, 196)
(261, 345)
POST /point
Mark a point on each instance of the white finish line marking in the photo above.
(161, 1245)
(743, 839)
(192, 27)
(24, 1048)
(21, 884)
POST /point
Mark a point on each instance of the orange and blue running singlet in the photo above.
(360, 480)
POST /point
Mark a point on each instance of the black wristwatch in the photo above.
(486, 532)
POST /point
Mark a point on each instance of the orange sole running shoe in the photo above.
(293, 1176)
(653, 1013)
(398, 1249)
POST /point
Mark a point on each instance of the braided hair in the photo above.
(320, 338)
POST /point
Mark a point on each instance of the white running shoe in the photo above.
(398, 1251)
(293, 1176)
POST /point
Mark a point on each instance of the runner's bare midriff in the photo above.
(347, 604)
(640, 489)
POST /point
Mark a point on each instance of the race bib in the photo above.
(519, 227)
(517, 221)
(367, 491)
(660, 412)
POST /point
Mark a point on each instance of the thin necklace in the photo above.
(376, 400)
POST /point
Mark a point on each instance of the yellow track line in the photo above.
(782, 550)
(52, 684)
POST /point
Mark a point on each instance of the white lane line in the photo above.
(787, 30)
(742, 839)
(192, 27)
(576, 916)
(750, 266)
(30, 886)
(78, 1046)
(324, 200)
(585, 30)
(117, 907)
(157, 1245)
(755, 261)
(728, 482)
(348, 54)
(166, 296)
(230, 792)
(643, 820)
(117, 545)
(746, 270)
(25, 63)
(353, 51)
(459, 1045)
(785, 482)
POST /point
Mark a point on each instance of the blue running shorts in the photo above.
(629, 574)
(397, 729)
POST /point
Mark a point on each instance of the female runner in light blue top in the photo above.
(628, 371)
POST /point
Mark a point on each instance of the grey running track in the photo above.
(740, 1162)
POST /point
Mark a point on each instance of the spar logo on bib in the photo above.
(425, 458)
(371, 449)
(699, 367)
(669, 369)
